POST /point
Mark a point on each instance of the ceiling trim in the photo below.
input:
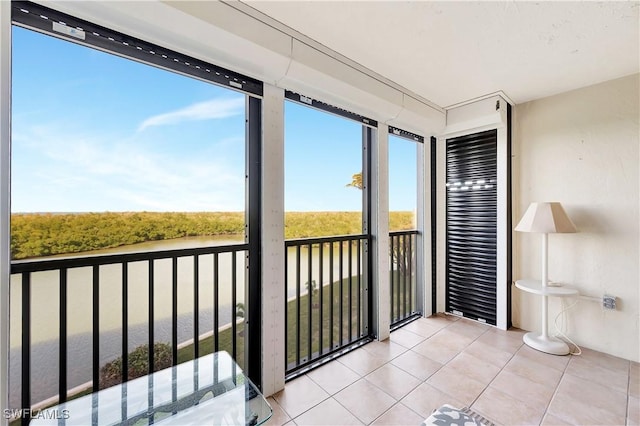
(480, 98)
(243, 7)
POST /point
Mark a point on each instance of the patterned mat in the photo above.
(451, 416)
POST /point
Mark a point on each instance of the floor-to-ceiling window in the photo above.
(129, 220)
(325, 228)
(404, 164)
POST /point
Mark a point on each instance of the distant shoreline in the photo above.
(41, 234)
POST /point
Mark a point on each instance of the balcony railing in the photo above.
(402, 261)
(328, 298)
(140, 294)
(188, 298)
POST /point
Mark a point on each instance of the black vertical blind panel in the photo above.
(471, 226)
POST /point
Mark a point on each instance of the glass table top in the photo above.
(210, 390)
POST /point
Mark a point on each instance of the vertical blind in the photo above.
(471, 216)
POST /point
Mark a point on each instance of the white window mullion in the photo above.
(423, 240)
(5, 207)
(380, 232)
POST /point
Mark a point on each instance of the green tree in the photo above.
(356, 181)
(399, 254)
(312, 290)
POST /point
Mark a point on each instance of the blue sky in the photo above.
(96, 132)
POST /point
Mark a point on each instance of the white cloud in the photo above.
(208, 110)
(60, 171)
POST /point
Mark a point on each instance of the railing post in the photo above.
(297, 320)
(151, 313)
(26, 344)
(196, 307)
(125, 322)
(216, 298)
(63, 346)
(310, 301)
(234, 301)
(95, 326)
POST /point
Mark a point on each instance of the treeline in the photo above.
(45, 234)
(34, 235)
(317, 224)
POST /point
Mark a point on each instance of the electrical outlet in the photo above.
(609, 302)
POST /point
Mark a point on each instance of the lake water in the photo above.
(45, 306)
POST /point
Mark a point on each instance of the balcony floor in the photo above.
(444, 360)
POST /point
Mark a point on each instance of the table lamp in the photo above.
(545, 218)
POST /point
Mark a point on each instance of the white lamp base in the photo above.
(550, 345)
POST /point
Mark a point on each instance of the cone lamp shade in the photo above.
(545, 218)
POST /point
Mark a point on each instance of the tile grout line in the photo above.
(458, 353)
(398, 400)
(310, 408)
(502, 369)
(421, 381)
(330, 396)
(601, 384)
(282, 408)
(376, 386)
(626, 411)
(393, 406)
(564, 374)
(291, 417)
(442, 365)
(555, 392)
(423, 356)
(494, 377)
(361, 377)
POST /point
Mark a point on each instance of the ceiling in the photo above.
(451, 52)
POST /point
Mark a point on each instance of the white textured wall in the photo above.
(582, 148)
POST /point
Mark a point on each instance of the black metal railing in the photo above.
(167, 274)
(402, 270)
(327, 298)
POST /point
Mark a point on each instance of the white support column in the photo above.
(502, 231)
(441, 222)
(380, 232)
(423, 240)
(273, 251)
(5, 205)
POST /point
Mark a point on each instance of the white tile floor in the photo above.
(443, 360)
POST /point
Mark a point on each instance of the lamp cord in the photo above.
(559, 332)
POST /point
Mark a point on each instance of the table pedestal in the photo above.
(550, 345)
(542, 341)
